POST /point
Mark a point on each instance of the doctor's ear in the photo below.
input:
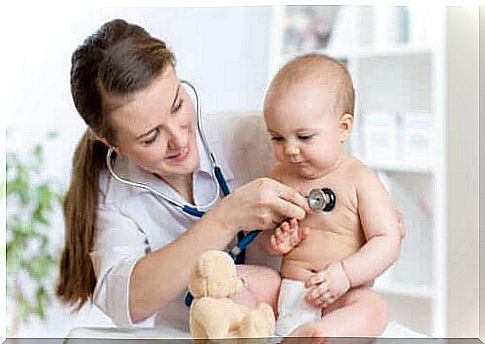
(103, 140)
(346, 124)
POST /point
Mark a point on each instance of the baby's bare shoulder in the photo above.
(360, 172)
(368, 182)
(360, 175)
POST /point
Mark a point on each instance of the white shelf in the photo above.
(416, 291)
(367, 52)
(400, 166)
(401, 78)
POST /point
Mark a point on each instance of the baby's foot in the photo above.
(311, 332)
(246, 298)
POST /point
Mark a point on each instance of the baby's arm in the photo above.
(381, 228)
(284, 238)
(383, 233)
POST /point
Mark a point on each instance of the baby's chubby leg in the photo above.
(358, 313)
(262, 285)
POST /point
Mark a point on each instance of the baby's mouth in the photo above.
(296, 161)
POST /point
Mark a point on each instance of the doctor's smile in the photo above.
(180, 155)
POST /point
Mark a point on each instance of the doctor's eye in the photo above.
(152, 138)
(177, 107)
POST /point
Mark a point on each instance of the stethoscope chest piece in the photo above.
(322, 199)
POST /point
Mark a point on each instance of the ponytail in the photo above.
(77, 279)
(116, 61)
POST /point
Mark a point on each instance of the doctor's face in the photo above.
(156, 128)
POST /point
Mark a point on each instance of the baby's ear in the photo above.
(346, 123)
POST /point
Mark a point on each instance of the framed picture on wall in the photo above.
(307, 28)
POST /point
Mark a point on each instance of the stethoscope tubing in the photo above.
(188, 208)
(191, 209)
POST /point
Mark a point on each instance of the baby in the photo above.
(330, 258)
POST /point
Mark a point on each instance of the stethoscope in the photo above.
(318, 199)
(216, 171)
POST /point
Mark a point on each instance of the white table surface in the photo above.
(393, 330)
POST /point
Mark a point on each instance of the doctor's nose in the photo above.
(176, 137)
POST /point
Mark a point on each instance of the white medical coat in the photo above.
(132, 222)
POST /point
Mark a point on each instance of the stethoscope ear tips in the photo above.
(322, 199)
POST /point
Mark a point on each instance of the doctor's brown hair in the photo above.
(117, 60)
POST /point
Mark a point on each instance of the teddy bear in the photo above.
(212, 283)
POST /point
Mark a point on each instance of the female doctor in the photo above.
(125, 249)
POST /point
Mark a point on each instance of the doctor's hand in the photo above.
(261, 204)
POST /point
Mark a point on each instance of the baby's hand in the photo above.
(327, 285)
(287, 236)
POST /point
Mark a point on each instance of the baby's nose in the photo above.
(292, 150)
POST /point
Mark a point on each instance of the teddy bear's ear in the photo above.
(197, 282)
(202, 289)
(204, 266)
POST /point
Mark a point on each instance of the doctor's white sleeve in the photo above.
(119, 245)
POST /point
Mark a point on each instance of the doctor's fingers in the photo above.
(292, 204)
(285, 209)
(290, 195)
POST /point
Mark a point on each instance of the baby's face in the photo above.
(304, 129)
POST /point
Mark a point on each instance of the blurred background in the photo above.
(415, 70)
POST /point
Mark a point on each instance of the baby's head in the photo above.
(308, 110)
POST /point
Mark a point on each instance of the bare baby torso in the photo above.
(333, 235)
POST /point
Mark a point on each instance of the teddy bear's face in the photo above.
(214, 275)
(224, 287)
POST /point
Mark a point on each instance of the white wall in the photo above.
(462, 171)
(482, 174)
(224, 50)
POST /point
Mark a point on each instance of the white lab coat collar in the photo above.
(113, 190)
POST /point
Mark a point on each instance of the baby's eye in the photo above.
(276, 138)
(304, 137)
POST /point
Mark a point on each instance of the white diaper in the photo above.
(293, 311)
